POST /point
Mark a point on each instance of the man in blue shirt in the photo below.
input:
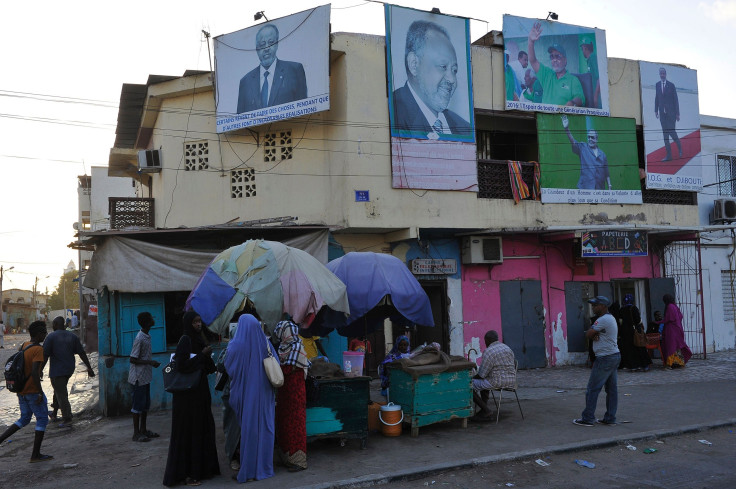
(594, 173)
(60, 347)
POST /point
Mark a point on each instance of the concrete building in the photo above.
(533, 289)
(717, 213)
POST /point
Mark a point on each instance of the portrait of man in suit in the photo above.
(420, 106)
(667, 110)
(274, 81)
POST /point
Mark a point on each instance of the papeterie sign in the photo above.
(614, 243)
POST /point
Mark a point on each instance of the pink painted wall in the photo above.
(526, 258)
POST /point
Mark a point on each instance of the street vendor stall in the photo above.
(338, 408)
(432, 387)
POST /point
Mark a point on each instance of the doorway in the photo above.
(637, 288)
(522, 321)
(439, 333)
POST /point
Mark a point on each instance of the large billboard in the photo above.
(273, 71)
(430, 100)
(554, 67)
(671, 119)
(588, 160)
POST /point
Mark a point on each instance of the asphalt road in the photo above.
(680, 462)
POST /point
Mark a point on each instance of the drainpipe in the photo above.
(702, 296)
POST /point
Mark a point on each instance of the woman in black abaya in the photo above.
(192, 449)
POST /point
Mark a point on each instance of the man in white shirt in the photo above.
(603, 333)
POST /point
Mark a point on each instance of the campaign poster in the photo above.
(588, 159)
(273, 71)
(671, 119)
(555, 67)
(430, 98)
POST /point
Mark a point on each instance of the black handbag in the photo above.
(175, 381)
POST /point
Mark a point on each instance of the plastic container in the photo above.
(391, 417)
(352, 363)
(374, 423)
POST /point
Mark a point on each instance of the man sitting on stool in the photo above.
(497, 370)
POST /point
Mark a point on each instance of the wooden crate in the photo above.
(432, 398)
(341, 410)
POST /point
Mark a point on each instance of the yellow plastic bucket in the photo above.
(391, 417)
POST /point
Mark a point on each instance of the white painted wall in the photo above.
(718, 136)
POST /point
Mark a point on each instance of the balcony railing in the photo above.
(128, 212)
(494, 183)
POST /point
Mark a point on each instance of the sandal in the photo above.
(151, 434)
(192, 482)
(41, 458)
(140, 437)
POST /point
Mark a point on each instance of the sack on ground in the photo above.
(15, 370)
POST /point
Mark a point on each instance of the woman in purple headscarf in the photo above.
(675, 351)
(252, 397)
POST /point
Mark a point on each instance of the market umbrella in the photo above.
(379, 286)
(276, 278)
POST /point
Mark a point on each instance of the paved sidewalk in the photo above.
(652, 404)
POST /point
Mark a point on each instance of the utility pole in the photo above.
(1, 288)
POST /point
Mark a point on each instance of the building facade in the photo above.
(333, 169)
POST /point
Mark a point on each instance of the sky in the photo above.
(64, 64)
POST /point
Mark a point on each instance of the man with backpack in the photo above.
(31, 399)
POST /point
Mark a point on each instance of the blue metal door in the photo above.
(522, 321)
(130, 306)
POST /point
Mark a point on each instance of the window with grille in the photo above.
(726, 175)
(196, 156)
(277, 146)
(728, 288)
(242, 183)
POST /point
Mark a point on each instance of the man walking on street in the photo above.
(603, 333)
(31, 400)
(60, 347)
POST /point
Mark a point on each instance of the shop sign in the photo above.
(428, 266)
(614, 243)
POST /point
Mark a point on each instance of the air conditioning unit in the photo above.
(482, 249)
(724, 210)
(149, 160)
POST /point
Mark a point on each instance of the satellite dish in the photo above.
(76, 226)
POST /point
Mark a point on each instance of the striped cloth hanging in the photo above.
(536, 192)
(518, 187)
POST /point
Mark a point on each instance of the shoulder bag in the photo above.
(640, 338)
(175, 381)
(273, 369)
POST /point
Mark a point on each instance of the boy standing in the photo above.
(140, 375)
(31, 399)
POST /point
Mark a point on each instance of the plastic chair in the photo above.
(507, 389)
(654, 343)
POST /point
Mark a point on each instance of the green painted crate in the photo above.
(341, 410)
(432, 397)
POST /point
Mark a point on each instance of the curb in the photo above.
(370, 480)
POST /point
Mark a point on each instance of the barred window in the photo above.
(726, 175)
(196, 156)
